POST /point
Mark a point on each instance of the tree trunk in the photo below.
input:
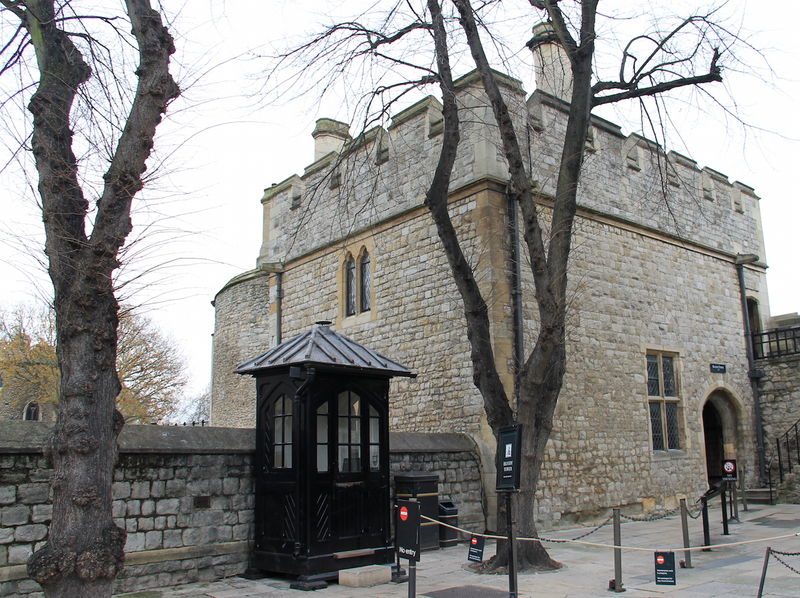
(84, 551)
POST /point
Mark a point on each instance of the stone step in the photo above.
(759, 496)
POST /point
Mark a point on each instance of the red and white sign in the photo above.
(403, 513)
(729, 470)
(474, 540)
(660, 559)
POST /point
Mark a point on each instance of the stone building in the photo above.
(657, 389)
(18, 406)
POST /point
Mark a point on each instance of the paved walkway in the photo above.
(730, 571)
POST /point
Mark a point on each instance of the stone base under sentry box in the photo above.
(364, 577)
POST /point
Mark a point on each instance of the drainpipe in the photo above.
(516, 291)
(278, 307)
(752, 373)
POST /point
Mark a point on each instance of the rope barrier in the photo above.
(589, 533)
(612, 546)
(784, 563)
(696, 515)
(663, 515)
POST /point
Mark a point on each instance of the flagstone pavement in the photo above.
(729, 570)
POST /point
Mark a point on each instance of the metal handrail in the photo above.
(779, 342)
(786, 439)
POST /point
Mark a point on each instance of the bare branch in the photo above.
(713, 75)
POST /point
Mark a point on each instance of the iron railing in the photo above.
(788, 449)
(776, 343)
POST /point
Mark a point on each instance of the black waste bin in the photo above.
(425, 488)
(448, 513)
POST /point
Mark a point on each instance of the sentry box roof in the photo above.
(325, 349)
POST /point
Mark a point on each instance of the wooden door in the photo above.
(350, 484)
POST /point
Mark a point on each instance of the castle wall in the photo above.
(632, 290)
(243, 327)
(653, 269)
(780, 397)
(629, 294)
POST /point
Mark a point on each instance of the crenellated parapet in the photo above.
(385, 172)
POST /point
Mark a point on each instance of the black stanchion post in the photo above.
(742, 492)
(512, 565)
(725, 531)
(412, 579)
(706, 533)
(687, 555)
(764, 572)
(509, 456)
(617, 554)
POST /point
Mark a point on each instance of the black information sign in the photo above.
(665, 568)
(718, 368)
(729, 473)
(476, 544)
(509, 449)
(408, 529)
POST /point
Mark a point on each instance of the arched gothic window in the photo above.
(31, 412)
(350, 285)
(366, 282)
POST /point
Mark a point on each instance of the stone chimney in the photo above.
(551, 63)
(329, 136)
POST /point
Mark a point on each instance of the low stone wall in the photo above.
(185, 498)
(454, 457)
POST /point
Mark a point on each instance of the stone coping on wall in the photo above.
(29, 437)
(422, 442)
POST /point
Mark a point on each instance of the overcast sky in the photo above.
(223, 147)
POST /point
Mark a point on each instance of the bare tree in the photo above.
(400, 55)
(28, 365)
(150, 367)
(84, 551)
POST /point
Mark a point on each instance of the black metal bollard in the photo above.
(616, 583)
(764, 572)
(706, 533)
(725, 531)
(687, 555)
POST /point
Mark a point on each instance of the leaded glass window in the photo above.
(350, 285)
(664, 401)
(673, 433)
(366, 283)
(669, 376)
(653, 384)
(655, 424)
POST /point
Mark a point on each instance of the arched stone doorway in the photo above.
(720, 423)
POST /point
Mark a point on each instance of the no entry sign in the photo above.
(408, 529)
(665, 568)
(476, 544)
(729, 473)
